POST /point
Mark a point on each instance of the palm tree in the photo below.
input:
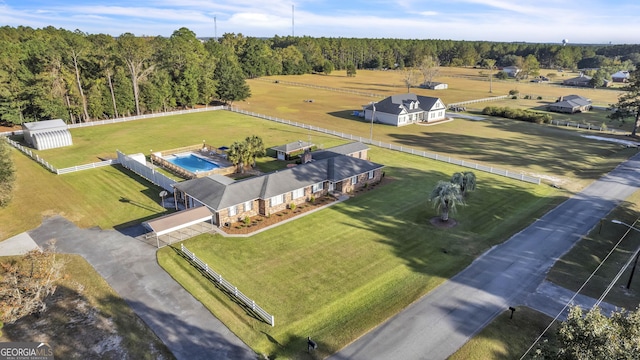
(466, 180)
(256, 148)
(445, 196)
(237, 154)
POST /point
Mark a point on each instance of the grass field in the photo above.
(89, 198)
(535, 149)
(336, 273)
(505, 338)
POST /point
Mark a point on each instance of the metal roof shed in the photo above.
(47, 134)
(179, 220)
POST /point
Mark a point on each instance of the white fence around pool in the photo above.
(146, 172)
(228, 286)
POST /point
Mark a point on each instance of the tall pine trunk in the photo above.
(113, 95)
(85, 111)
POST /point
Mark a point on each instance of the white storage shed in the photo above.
(47, 134)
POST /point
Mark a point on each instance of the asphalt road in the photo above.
(183, 324)
(443, 320)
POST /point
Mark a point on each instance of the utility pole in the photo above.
(292, 20)
(373, 115)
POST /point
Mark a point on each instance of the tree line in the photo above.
(56, 73)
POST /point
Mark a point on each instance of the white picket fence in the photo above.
(30, 154)
(228, 286)
(491, 169)
(86, 166)
(146, 172)
(493, 98)
(129, 118)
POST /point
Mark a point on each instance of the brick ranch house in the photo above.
(340, 169)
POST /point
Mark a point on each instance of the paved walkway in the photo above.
(185, 326)
(445, 319)
(17, 245)
(550, 299)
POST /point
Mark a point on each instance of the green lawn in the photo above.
(217, 128)
(505, 338)
(107, 197)
(335, 274)
(575, 267)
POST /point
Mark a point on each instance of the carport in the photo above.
(180, 220)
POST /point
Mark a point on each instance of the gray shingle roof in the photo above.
(219, 194)
(45, 125)
(346, 149)
(572, 101)
(395, 104)
(293, 146)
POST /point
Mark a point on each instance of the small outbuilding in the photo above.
(571, 104)
(435, 85)
(47, 134)
(621, 76)
(291, 150)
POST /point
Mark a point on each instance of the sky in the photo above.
(537, 21)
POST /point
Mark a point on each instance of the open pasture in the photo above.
(534, 149)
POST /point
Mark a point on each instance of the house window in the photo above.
(370, 174)
(248, 206)
(296, 194)
(233, 211)
(316, 187)
(277, 200)
(354, 180)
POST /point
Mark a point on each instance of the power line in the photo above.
(580, 289)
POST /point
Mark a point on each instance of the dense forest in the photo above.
(55, 73)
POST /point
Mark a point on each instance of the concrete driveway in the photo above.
(188, 329)
(442, 321)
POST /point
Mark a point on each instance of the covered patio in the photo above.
(180, 225)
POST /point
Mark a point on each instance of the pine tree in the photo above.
(629, 103)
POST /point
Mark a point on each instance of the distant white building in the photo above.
(512, 71)
(47, 134)
(405, 109)
(620, 76)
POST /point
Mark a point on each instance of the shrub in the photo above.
(514, 92)
(517, 114)
(539, 97)
(292, 206)
(247, 220)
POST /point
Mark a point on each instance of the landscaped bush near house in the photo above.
(517, 114)
(292, 206)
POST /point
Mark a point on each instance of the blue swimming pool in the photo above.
(192, 163)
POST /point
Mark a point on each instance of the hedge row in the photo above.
(517, 114)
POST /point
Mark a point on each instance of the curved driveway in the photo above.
(441, 322)
(183, 324)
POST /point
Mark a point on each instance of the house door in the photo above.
(330, 186)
